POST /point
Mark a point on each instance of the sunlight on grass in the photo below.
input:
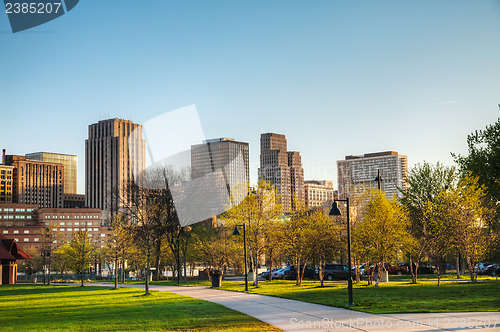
(400, 297)
(49, 308)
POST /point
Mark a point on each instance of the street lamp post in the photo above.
(237, 232)
(336, 212)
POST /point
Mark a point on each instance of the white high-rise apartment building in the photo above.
(318, 192)
(358, 173)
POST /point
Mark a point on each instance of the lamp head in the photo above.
(334, 211)
(236, 231)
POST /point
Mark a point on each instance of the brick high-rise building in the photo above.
(36, 182)
(114, 154)
(282, 168)
(358, 173)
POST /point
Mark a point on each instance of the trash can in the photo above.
(216, 276)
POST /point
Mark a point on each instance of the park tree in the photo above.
(145, 212)
(257, 211)
(151, 217)
(215, 246)
(322, 235)
(294, 240)
(474, 221)
(483, 160)
(425, 182)
(439, 222)
(79, 252)
(118, 242)
(383, 228)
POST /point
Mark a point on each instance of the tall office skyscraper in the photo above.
(67, 160)
(282, 169)
(358, 173)
(221, 153)
(114, 153)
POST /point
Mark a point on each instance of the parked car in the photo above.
(336, 272)
(391, 269)
(291, 272)
(481, 267)
(423, 268)
(265, 274)
(362, 268)
(279, 274)
(492, 270)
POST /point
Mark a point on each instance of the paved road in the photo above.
(291, 315)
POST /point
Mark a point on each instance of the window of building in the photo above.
(5, 232)
(26, 231)
(77, 223)
(70, 229)
(96, 229)
(61, 223)
(16, 232)
(36, 239)
(61, 229)
(26, 239)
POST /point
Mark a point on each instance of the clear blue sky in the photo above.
(336, 77)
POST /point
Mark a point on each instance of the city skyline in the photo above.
(336, 78)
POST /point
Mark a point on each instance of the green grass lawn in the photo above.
(397, 297)
(63, 308)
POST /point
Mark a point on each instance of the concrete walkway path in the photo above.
(291, 315)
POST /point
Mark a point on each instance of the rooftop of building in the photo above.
(372, 155)
(220, 139)
(51, 153)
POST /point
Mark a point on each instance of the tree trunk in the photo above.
(378, 274)
(116, 272)
(472, 270)
(322, 273)
(270, 264)
(457, 263)
(438, 264)
(147, 272)
(157, 259)
(256, 270)
(415, 271)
